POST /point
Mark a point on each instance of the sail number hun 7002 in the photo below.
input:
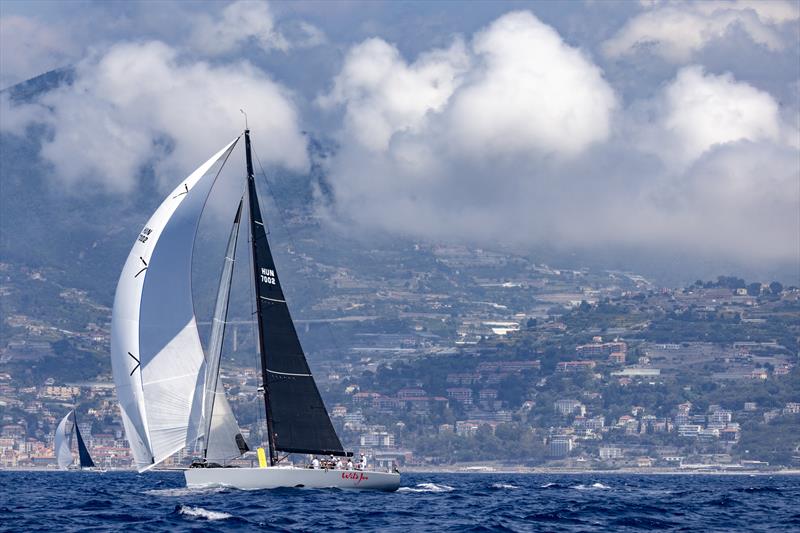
(268, 276)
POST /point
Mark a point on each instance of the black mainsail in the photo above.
(297, 421)
(83, 453)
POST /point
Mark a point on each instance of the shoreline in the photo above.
(622, 471)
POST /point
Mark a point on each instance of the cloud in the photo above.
(441, 146)
(676, 31)
(514, 136)
(509, 133)
(744, 196)
(29, 48)
(249, 21)
(697, 111)
(531, 91)
(141, 104)
(383, 95)
(46, 35)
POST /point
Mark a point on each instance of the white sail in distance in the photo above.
(63, 443)
(156, 353)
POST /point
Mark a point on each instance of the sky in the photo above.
(644, 126)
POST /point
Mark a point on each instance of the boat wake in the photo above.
(427, 487)
(201, 514)
(185, 491)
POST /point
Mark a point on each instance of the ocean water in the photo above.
(86, 501)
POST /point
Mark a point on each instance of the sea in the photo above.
(158, 501)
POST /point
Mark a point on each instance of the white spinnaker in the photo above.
(63, 443)
(156, 355)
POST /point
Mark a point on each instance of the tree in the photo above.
(730, 282)
(775, 287)
(754, 289)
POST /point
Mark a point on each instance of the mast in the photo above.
(254, 212)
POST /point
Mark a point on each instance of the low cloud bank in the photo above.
(516, 136)
(512, 134)
(141, 104)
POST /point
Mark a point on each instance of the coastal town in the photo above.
(465, 358)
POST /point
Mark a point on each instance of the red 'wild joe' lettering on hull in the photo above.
(357, 477)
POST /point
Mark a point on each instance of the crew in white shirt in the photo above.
(363, 464)
(315, 463)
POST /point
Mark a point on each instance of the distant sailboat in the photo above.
(168, 387)
(67, 428)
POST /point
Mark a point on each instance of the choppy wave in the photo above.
(504, 486)
(570, 503)
(203, 514)
(597, 485)
(427, 487)
(551, 485)
(759, 489)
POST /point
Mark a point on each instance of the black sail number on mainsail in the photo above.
(297, 415)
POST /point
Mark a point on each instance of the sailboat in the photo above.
(65, 432)
(168, 386)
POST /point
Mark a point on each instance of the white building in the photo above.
(610, 452)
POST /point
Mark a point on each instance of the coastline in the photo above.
(621, 471)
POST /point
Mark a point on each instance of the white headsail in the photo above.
(220, 428)
(156, 354)
(63, 442)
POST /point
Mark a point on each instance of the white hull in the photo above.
(275, 477)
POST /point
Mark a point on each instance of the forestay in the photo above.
(156, 354)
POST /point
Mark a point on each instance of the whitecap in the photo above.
(592, 486)
(427, 487)
(199, 512)
(503, 486)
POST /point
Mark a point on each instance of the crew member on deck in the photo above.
(363, 463)
(315, 463)
(349, 464)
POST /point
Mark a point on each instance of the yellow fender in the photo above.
(262, 458)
